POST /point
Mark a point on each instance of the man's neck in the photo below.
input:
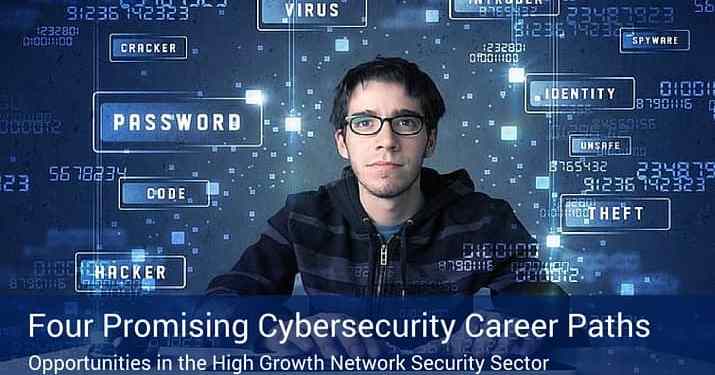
(392, 211)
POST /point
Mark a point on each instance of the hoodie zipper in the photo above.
(382, 264)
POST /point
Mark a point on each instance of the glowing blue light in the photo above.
(517, 75)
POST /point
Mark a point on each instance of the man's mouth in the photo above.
(384, 164)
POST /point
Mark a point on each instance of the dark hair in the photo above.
(390, 69)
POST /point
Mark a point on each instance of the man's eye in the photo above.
(407, 123)
(363, 123)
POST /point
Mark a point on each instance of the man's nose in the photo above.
(386, 138)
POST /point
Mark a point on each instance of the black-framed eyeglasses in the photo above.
(364, 124)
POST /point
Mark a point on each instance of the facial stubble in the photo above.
(389, 193)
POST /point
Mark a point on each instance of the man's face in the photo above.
(386, 164)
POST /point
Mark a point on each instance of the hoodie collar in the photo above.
(439, 191)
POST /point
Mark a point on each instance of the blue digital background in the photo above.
(56, 200)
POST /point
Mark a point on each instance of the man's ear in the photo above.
(340, 144)
(431, 143)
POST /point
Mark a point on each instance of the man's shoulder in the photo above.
(310, 202)
(476, 205)
(498, 213)
(480, 199)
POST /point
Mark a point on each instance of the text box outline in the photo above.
(186, 50)
(319, 28)
(135, 151)
(451, 17)
(630, 140)
(620, 41)
(619, 231)
(576, 109)
(163, 208)
(77, 275)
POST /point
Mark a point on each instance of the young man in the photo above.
(389, 226)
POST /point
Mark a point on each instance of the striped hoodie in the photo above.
(459, 241)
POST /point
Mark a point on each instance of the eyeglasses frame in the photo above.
(349, 119)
